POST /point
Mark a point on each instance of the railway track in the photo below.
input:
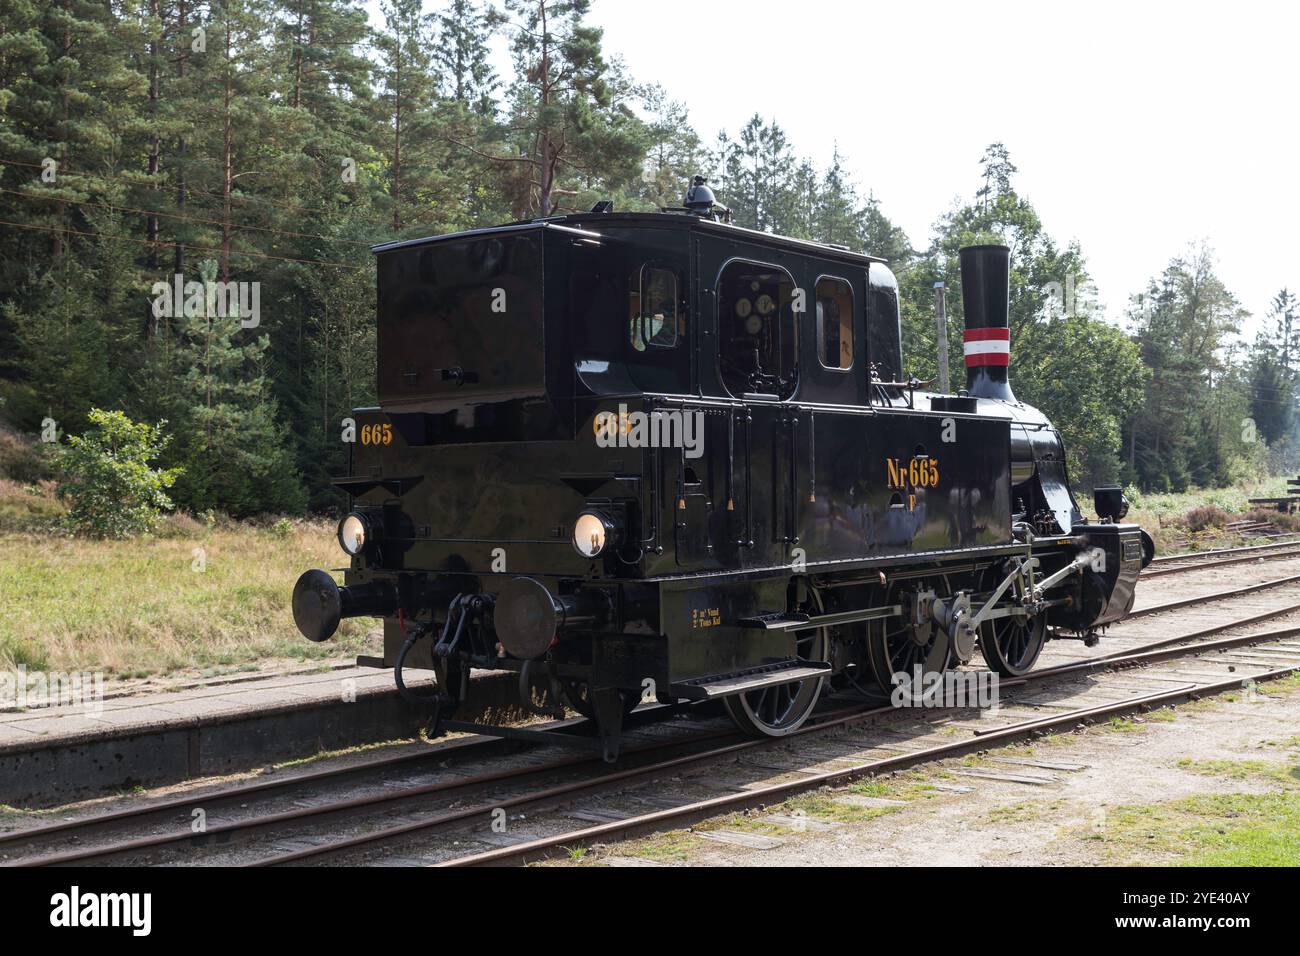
(622, 825)
(453, 793)
(172, 811)
(745, 798)
(1219, 558)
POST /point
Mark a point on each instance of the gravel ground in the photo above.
(999, 822)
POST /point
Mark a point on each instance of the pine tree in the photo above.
(65, 123)
(1056, 353)
(674, 152)
(571, 116)
(228, 439)
(408, 91)
(756, 172)
(837, 217)
(1273, 377)
(1182, 434)
(461, 55)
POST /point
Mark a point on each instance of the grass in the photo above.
(680, 845)
(1266, 770)
(25, 506)
(1236, 829)
(1164, 516)
(212, 599)
(1026, 812)
(672, 846)
(1122, 725)
(824, 807)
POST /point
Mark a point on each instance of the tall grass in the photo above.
(192, 597)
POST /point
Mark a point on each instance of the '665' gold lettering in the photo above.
(921, 471)
(378, 434)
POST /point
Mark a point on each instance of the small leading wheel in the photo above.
(896, 646)
(782, 709)
(1011, 645)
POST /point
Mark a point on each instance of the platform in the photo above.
(147, 737)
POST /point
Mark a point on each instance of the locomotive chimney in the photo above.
(985, 292)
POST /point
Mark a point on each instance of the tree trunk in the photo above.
(180, 146)
(226, 177)
(546, 146)
(397, 146)
(155, 151)
(56, 242)
(297, 60)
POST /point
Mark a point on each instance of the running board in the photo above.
(802, 622)
(753, 678)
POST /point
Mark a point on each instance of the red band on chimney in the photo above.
(988, 346)
(983, 335)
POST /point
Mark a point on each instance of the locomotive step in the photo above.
(787, 621)
(755, 678)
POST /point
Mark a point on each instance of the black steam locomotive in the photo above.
(656, 455)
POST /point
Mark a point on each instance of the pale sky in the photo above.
(1137, 127)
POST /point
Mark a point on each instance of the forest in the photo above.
(269, 143)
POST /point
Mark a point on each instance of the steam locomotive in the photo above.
(636, 456)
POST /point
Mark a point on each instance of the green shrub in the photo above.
(111, 489)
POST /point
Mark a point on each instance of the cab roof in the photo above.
(589, 224)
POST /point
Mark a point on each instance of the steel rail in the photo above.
(1205, 599)
(1227, 562)
(223, 832)
(465, 747)
(1188, 555)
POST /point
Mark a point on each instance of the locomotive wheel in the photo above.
(894, 646)
(780, 710)
(1011, 645)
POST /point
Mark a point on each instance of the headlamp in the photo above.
(354, 533)
(593, 532)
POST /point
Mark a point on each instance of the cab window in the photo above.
(834, 323)
(759, 338)
(653, 316)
